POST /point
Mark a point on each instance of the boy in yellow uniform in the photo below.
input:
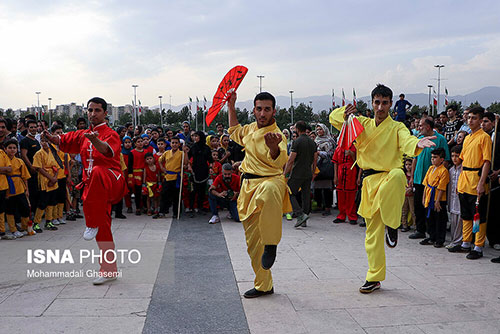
(17, 196)
(47, 168)
(380, 148)
(476, 157)
(170, 163)
(436, 180)
(61, 194)
(5, 168)
(263, 196)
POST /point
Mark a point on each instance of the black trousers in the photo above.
(47, 198)
(18, 203)
(61, 191)
(200, 190)
(34, 192)
(138, 197)
(420, 212)
(436, 224)
(169, 196)
(324, 198)
(493, 227)
(304, 195)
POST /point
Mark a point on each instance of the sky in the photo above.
(73, 50)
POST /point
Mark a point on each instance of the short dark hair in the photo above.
(227, 166)
(10, 141)
(175, 138)
(301, 126)
(429, 122)
(161, 139)
(30, 116)
(440, 152)
(265, 96)
(147, 155)
(456, 149)
(443, 113)
(136, 138)
(219, 124)
(30, 121)
(60, 123)
(402, 95)
(4, 121)
(489, 115)
(81, 119)
(477, 111)
(382, 90)
(452, 107)
(99, 100)
(55, 127)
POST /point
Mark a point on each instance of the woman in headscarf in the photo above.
(201, 157)
(224, 152)
(323, 183)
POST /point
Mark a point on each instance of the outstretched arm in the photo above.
(426, 142)
(233, 120)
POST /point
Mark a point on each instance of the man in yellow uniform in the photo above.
(263, 196)
(471, 186)
(380, 150)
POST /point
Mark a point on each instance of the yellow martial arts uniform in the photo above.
(439, 178)
(262, 201)
(380, 148)
(4, 187)
(475, 152)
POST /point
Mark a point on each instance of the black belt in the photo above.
(471, 169)
(368, 172)
(249, 176)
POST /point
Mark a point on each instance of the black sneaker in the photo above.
(353, 222)
(77, 215)
(426, 242)
(70, 217)
(391, 237)
(417, 235)
(50, 226)
(36, 228)
(269, 256)
(496, 260)
(138, 213)
(369, 287)
(474, 255)
(338, 221)
(254, 293)
(362, 224)
(438, 245)
(120, 216)
(129, 210)
(458, 249)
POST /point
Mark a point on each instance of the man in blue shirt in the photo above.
(419, 167)
(400, 108)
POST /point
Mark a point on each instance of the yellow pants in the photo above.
(2, 222)
(480, 236)
(261, 204)
(59, 211)
(382, 198)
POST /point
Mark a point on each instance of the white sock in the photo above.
(478, 249)
(465, 244)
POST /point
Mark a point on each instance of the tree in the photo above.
(474, 104)
(124, 118)
(494, 108)
(362, 107)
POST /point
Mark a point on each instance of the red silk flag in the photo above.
(333, 99)
(228, 85)
(354, 103)
(343, 97)
(446, 96)
(435, 98)
(349, 132)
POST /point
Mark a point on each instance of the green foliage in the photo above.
(474, 104)
(494, 107)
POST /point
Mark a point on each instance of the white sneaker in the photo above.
(496, 246)
(56, 221)
(90, 233)
(25, 233)
(101, 280)
(8, 237)
(61, 221)
(214, 219)
(18, 234)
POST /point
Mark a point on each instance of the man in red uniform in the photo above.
(103, 182)
(346, 183)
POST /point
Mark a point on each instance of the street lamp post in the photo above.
(439, 85)
(161, 112)
(291, 104)
(135, 118)
(311, 105)
(430, 105)
(260, 82)
(38, 107)
(50, 111)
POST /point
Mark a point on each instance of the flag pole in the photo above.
(180, 187)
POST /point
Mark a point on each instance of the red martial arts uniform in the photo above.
(346, 183)
(103, 182)
(136, 164)
(128, 199)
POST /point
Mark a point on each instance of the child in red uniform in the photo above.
(215, 167)
(136, 164)
(345, 180)
(124, 155)
(151, 181)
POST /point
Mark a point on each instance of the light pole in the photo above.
(430, 105)
(311, 105)
(260, 82)
(439, 85)
(291, 104)
(161, 112)
(50, 111)
(38, 108)
(135, 118)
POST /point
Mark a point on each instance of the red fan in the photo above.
(349, 132)
(229, 84)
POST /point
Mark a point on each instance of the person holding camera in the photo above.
(224, 193)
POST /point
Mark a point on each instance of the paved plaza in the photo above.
(191, 277)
